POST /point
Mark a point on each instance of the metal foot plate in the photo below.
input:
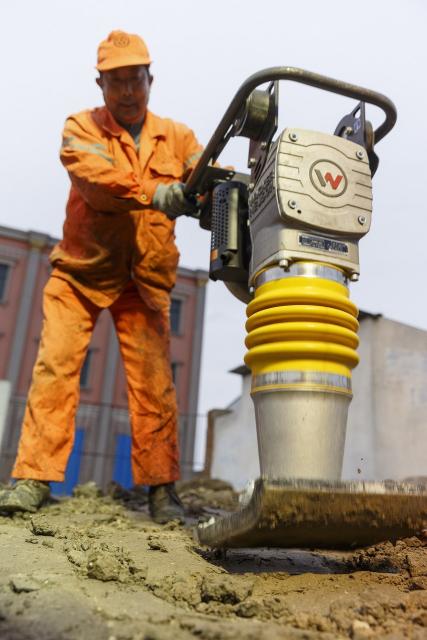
(316, 514)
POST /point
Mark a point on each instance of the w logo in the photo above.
(334, 182)
(328, 178)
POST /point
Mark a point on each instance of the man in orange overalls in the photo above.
(118, 251)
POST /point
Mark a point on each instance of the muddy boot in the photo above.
(164, 504)
(25, 495)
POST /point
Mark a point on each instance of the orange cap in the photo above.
(122, 49)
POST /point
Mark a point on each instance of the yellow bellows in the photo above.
(301, 324)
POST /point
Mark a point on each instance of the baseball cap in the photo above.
(122, 49)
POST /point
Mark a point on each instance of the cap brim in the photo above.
(123, 61)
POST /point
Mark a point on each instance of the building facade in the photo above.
(387, 423)
(102, 445)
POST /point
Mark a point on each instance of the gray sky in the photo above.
(202, 52)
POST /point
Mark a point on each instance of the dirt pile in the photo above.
(407, 557)
(207, 496)
(96, 567)
(201, 496)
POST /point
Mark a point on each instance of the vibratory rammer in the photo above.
(285, 241)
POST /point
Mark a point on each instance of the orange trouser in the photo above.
(48, 427)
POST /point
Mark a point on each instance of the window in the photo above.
(85, 372)
(176, 314)
(4, 273)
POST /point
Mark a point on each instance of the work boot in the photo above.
(25, 495)
(164, 504)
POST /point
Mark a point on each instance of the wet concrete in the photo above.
(96, 567)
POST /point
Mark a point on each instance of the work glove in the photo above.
(170, 199)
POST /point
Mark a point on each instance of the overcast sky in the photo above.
(202, 52)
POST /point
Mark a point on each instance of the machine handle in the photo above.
(297, 75)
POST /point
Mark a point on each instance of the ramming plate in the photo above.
(321, 515)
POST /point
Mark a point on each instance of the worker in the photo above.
(118, 252)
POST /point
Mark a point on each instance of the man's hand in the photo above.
(170, 199)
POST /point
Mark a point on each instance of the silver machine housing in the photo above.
(313, 201)
(309, 208)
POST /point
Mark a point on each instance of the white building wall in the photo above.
(387, 425)
(235, 448)
(394, 436)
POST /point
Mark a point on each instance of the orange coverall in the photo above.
(113, 254)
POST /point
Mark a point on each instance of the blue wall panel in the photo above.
(122, 472)
(73, 468)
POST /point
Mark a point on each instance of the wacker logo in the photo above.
(328, 178)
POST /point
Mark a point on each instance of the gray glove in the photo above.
(170, 199)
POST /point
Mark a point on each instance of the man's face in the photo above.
(126, 91)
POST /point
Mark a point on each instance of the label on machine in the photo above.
(322, 244)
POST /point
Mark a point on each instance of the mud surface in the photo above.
(96, 567)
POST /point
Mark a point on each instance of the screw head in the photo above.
(251, 186)
(362, 219)
(293, 136)
(360, 154)
(292, 204)
(263, 145)
(354, 277)
(252, 162)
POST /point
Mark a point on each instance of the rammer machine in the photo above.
(284, 239)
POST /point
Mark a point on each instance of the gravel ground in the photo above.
(96, 567)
